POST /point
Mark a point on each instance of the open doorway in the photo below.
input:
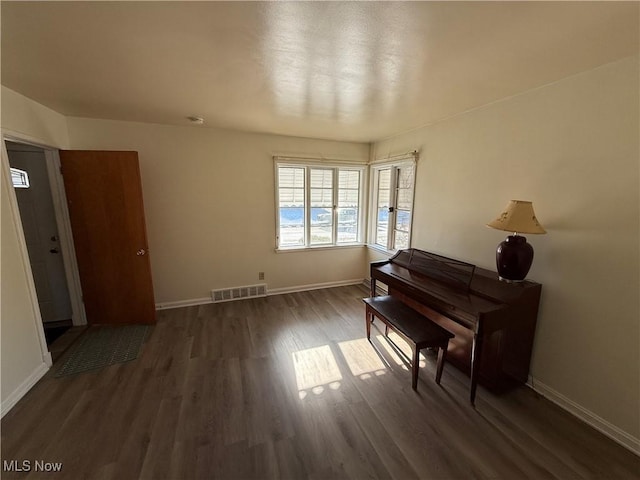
(31, 173)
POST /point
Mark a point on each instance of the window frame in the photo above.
(394, 167)
(335, 167)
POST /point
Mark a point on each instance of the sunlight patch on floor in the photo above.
(361, 358)
(316, 369)
(393, 353)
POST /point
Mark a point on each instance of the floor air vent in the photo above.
(236, 293)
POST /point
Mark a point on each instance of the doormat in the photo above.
(103, 346)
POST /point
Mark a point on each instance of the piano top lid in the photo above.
(453, 272)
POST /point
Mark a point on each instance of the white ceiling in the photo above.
(356, 71)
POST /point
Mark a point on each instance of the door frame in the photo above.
(52, 159)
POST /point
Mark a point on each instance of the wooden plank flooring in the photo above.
(288, 387)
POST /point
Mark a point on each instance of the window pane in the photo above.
(291, 187)
(384, 188)
(349, 198)
(291, 177)
(349, 179)
(383, 199)
(384, 179)
(404, 188)
(321, 216)
(291, 227)
(348, 205)
(321, 197)
(405, 199)
(321, 226)
(290, 197)
(291, 206)
(321, 188)
(405, 177)
(321, 193)
(321, 178)
(347, 225)
(382, 227)
(404, 205)
(403, 220)
(401, 240)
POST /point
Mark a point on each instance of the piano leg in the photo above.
(442, 355)
(415, 366)
(475, 364)
(373, 294)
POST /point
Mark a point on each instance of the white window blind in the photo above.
(318, 204)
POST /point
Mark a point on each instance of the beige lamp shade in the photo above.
(518, 217)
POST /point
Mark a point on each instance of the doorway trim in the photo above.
(59, 197)
(64, 231)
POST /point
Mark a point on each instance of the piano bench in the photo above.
(416, 329)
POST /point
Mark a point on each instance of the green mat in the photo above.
(103, 346)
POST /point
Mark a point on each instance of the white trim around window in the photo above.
(391, 203)
(319, 204)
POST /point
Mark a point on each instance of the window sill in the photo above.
(319, 247)
(378, 248)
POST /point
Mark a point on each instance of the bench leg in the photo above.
(442, 354)
(368, 318)
(415, 367)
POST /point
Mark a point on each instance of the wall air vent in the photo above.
(237, 293)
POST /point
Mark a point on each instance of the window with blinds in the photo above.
(392, 198)
(318, 205)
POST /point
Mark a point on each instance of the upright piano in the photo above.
(493, 321)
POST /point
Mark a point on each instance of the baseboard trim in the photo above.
(183, 303)
(275, 291)
(616, 434)
(24, 387)
(313, 286)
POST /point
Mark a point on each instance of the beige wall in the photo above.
(20, 353)
(210, 206)
(572, 148)
(31, 120)
(21, 356)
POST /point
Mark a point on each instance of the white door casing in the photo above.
(41, 233)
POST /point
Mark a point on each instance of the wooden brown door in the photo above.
(104, 194)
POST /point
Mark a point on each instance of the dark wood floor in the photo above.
(288, 387)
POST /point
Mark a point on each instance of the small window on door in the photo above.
(19, 178)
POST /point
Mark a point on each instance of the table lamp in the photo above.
(514, 255)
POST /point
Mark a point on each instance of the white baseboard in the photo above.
(381, 288)
(276, 291)
(314, 286)
(24, 387)
(616, 434)
(183, 303)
